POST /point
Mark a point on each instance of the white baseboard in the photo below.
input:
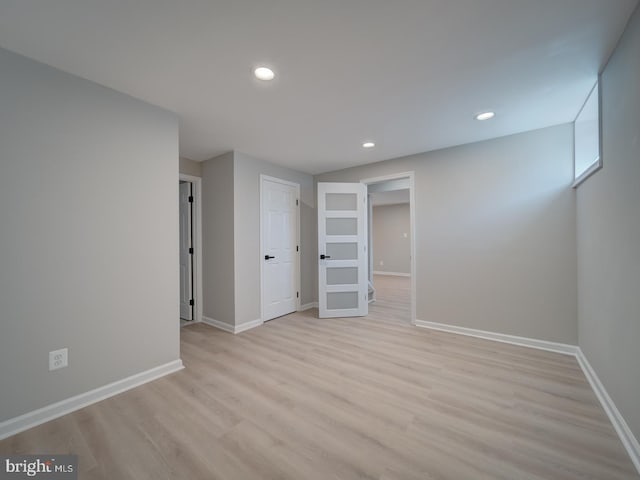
(248, 325)
(624, 432)
(218, 324)
(391, 274)
(501, 337)
(31, 419)
(308, 306)
(232, 328)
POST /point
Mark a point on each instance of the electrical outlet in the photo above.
(58, 359)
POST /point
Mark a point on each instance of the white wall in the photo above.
(608, 207)
(392, 238)
(495, 233)
(88, 237)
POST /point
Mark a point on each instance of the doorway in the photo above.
(190, 251)
(187, 301)
(391, 241)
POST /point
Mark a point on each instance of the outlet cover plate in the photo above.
(58, 359)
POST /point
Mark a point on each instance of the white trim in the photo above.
(308, 306)
(231, 328)
(624, 432)
(412, 221)
(501, 337)
(218, 324)
(248, 325)
(31, 419)
(391, 274)
(197, 239)
(264, 178)
(597, 165)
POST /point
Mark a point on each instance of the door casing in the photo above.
(196, 225)
(412, 219)
(187, 306)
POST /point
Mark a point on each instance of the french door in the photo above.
(342, 249)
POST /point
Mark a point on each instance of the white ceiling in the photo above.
(406, 74)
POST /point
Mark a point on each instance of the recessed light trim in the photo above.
(485, 116)
(264, 73)
(368, 145)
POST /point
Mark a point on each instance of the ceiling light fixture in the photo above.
(264, 73)
(368, 145)
(485, 116)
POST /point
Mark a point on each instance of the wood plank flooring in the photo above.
(303, 398)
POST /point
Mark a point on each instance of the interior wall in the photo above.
(495, 233)
(190, 167)
(392, 238)
(89, 238)
(608, 209)
(218, 268)
(247, 232)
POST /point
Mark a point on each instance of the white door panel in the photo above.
(186, 266)
(280, 252)
(342, 234)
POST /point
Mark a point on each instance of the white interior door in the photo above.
(186, 253)
(342, 247)
(279, 248)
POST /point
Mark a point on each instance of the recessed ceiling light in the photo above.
(485, 116)
(368, 145)
(264, 73)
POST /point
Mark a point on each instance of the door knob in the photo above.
(322, 257)
(267, 257)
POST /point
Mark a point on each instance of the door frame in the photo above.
(412, 222)
(268, 178)
(196, 228)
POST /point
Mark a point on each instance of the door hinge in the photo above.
(297, 294)
(191, 302)
(297, 248)
(296, 202)
(190, 198)
(190, 250)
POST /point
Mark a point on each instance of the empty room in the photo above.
(320, 240)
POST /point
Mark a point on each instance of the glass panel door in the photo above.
(342, 268)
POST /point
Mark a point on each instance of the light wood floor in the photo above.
(302, 398)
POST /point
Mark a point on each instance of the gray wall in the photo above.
(89, 237)
(608, 206)
(495, 233)
(218, 285)
(390, 246)
(247, 232)
(189, 167)
(231, 235)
